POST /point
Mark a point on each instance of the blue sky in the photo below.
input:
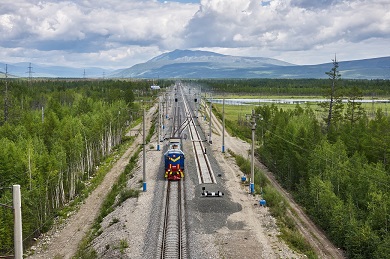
(121, 33)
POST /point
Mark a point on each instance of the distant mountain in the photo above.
(204, 64)
(196, 64)
(22, 70)
(198, 56)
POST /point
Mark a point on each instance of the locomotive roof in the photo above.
(174, 151)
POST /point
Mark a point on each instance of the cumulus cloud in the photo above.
(286, 25)
(121, 33)
(92, 27)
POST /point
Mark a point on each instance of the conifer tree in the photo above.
(334, 107)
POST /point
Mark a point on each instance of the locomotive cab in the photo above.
(174, 162)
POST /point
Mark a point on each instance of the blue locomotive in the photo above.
(174, 161)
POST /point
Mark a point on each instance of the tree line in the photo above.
(298, 87)
(54, 135)
(340, 177)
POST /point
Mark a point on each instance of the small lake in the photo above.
(288, 101)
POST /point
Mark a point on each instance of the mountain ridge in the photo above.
(205, 64)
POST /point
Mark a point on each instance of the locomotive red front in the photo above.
(174, 162)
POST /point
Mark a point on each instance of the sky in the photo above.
(115, 34)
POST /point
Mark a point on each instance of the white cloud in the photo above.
(122, 33)
(286, 25)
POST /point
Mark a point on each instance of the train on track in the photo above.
(174, 160)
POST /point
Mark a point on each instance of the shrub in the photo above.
(127, 193)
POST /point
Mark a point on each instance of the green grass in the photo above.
(114, 221)
(294, 239)
(235, 113)
(126, 194)
(254, 96)
(123, 245)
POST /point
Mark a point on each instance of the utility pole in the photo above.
(159, 124)
(223, 125)
(211, 105)
(6, 95)
(30, 74)
(197, 100)
(166, 105)
(252, 184)
(252, 179)
(144, 153)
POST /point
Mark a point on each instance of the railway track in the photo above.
(172, 234)
(203, 166)
(172, 237)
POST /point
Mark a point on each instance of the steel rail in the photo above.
(172, 241)
(203, 165)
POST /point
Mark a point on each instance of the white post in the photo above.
(17, 206)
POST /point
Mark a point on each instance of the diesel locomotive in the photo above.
(174, 161)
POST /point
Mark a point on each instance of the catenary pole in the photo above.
(144, 153)
(159, 124)
(223, 125)
(252, 183)
(211, 105)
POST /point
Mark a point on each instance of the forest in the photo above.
(336, 167)
(55, 134)
(292, 87)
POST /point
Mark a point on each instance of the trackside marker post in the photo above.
(17, 206)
